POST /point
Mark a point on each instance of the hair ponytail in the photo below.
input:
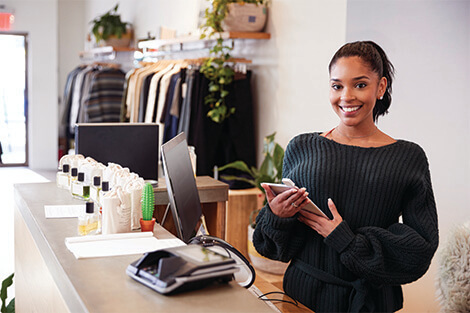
(377, 59)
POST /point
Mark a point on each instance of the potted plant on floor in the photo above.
(110, 30)
(269, 172)
(147, 222)
(224, 15)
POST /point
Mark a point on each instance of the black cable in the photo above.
(280, 300)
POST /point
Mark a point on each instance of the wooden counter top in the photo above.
(48, 278)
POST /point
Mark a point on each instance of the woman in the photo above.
(364, 180)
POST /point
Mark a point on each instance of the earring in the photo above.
(381, 97)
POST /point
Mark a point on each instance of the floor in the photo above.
(268, 283)
(8, 177)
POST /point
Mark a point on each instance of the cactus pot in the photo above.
(147, 225)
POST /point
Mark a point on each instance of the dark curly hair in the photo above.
(373, 55)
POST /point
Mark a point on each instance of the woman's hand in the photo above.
(321, 224)
(287, 203)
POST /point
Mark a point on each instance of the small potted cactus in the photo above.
(147, 222)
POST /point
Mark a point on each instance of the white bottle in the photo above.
(95, 190)
(63, 177)
(193, 157)
(104, 190)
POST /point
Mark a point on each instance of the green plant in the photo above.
(7, 282)
(215, 68)
(270, 170)
(109, 24)
(148, 202)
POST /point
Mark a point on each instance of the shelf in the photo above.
(190, 39)
(107, 50)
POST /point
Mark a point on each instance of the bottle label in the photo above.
(63, 181)
(94, 193)
(77, 189)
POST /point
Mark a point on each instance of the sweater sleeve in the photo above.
(275, 237)
(401, 253)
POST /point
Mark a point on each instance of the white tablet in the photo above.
(311, 207)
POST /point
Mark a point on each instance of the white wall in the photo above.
(39, 19)
(290, 81)
(290, 70)
(429, 44)
(72, 35)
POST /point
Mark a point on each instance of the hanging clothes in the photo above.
(93, 93)
(171, 94)
(232, 140)
(103, 102)
(170, 114)
(67, 101)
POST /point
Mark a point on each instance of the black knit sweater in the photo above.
(362, 263)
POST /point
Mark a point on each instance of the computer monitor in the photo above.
(132, 145)
(181, 186)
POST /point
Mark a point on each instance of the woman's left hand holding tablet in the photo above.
(287, 203)
(321, 224)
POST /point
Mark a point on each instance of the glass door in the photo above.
(13, 99)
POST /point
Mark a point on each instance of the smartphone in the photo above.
(289, 184)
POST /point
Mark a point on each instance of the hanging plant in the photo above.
(215, 68)
(220, 75)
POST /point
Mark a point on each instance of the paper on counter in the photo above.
(63, 211)
(117, 244)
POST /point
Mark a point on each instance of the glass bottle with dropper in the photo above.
(63, 177)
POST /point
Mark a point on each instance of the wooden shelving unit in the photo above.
(157, 43)
(194, 41)
(106, 50)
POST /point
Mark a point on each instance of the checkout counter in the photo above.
(49, 278)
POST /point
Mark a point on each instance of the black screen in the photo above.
(130, 145)
(181, 185)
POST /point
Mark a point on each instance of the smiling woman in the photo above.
(356, 258)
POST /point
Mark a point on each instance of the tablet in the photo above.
(311, 207)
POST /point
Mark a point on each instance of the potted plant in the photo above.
(269, 172)
(147, 222)
(110, 30)
(215, 68)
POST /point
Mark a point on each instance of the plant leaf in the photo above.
(278, 157)
(239, 165)
(7, 282)
(267, 167)
(232, 177)
(11, 306)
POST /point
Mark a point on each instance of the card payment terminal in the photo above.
(181, 268)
